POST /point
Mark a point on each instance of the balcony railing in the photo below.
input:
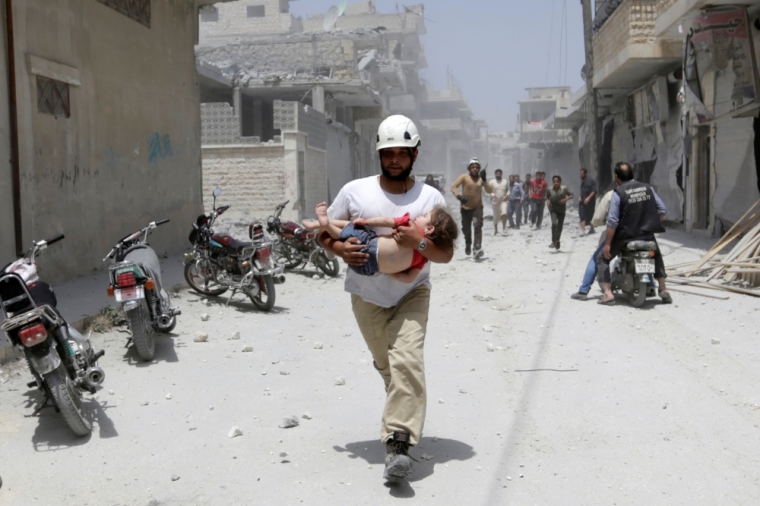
(603, 12)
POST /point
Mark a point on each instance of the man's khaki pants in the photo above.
(396, 337)
(499, 210)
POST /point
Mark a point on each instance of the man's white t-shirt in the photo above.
(364, 198)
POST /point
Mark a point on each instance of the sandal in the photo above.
(606, 302)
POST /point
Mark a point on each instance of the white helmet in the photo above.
(473, 161)
(397, 131)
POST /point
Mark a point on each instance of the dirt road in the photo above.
(575, 404)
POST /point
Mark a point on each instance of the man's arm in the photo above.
(455, 186)
(613, 220)
(409, 237)
(487, 186)
(349, 250)
(662, 210)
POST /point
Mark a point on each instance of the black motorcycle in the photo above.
(295, 245)
(61, 360)
(219, 262)
(135, 282)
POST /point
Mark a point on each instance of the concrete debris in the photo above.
(462, 391)
(234, 432)
(440, 401)
(315, 276)
(211, 408)
(425, 456)
(289, 422)
(110, 392)
(715, 341)
(283, 455)
(144, 403)
(347, 334)
(284, 373)
(306, 416)
(235, 336)
(490, 347)
(487, 328)
(340, 381)
(317, 346)
(483, 298)
(175, 477)
(201, 337)
(435, 439)
(205, 317)
(247, 349)
(168, 397)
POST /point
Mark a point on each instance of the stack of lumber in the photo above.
(733, 271)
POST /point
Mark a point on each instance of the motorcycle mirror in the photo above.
(217, 192)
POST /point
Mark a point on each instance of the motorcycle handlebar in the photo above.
(161, 222)
(55, 239)
(222, 209)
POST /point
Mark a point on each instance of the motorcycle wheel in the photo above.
(264, 300)
(143, 334)
(192, 276)
(329, 267)
(286, 256)
(68, 399)
(638, 295)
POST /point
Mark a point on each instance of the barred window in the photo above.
(139, 10)
(257, 11)
(53, 97)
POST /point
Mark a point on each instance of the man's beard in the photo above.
(403, 176)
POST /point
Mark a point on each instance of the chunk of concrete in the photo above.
(234, 432)
(201, 337)
(289, 422)
(205, 317)
(340, 381)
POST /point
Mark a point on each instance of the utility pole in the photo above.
(592, 105)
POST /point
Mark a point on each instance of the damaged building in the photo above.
(677, 84)
(290, 106)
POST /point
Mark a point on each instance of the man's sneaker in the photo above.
(666, 298)
(467, 250)
(579, 296)
(479, 254)
(592, 231)
(398, 463)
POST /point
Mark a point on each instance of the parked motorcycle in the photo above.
(135, 282)
(295, 245)
(61, 360)
(631, 272)
(220, 262)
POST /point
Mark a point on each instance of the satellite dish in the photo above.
(342, 7)
(331, 18)
(584, 73)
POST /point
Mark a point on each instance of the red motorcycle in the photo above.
(220, 262)
(296, 245)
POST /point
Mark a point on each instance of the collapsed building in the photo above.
(290, 106)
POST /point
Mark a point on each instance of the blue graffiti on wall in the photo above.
(159, 146)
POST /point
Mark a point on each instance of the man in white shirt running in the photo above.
(392, 315)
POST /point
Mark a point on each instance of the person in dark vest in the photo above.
(636, 213)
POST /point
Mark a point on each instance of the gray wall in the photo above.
(130, 152)
(339, 163)
(7, 240)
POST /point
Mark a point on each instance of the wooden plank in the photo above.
(734, 232)
(702, 284)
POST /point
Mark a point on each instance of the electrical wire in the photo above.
(551, 40)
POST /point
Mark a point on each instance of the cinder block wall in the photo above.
(252, 178)
(232, 19)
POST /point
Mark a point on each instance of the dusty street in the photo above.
(534, 398)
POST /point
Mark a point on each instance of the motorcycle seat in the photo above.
(235, 247)
(641, 246)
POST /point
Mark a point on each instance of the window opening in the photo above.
(53, 97)
(256, 11)
(138, 10)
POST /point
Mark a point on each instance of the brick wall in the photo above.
(252, 178)
(232, 19)
(631, 23)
